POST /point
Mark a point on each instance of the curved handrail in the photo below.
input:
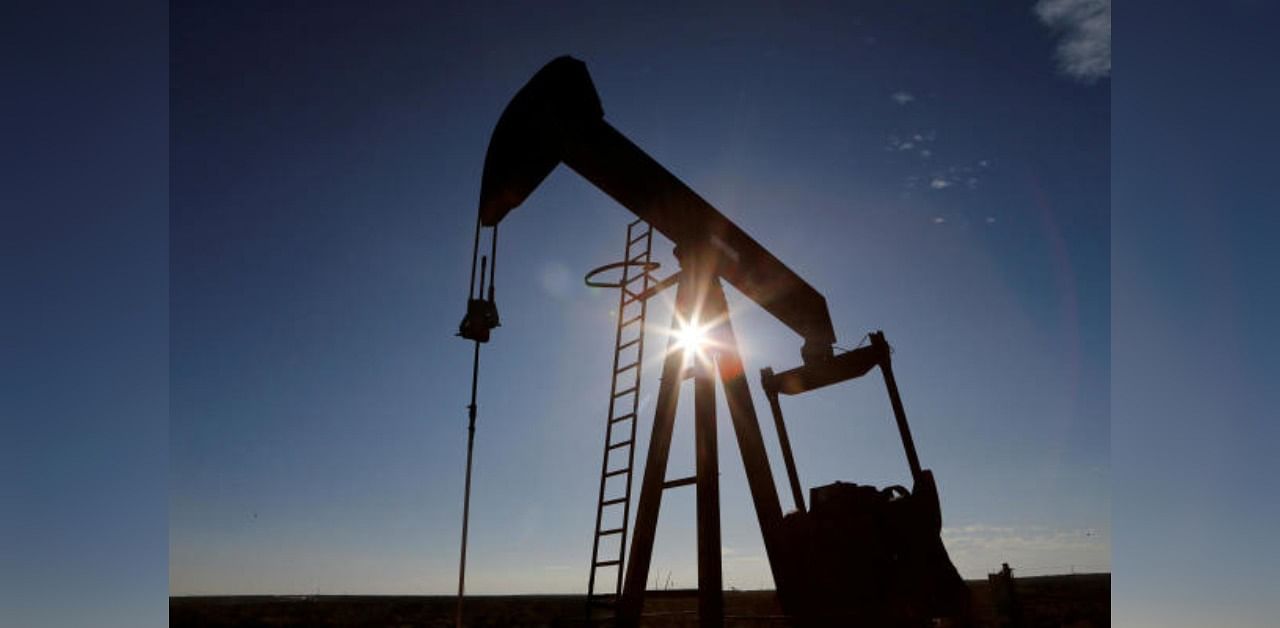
(647, 266)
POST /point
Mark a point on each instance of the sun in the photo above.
(690, 337)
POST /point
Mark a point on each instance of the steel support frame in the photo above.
(700, 297)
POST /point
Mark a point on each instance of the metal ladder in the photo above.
(624, 402)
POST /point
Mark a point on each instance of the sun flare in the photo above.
(690, 337)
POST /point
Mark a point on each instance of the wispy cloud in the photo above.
(902, 98)
(1084, 28)
(911, 141)
(929, 173)
(961, 174)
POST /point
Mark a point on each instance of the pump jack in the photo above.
(857, 555)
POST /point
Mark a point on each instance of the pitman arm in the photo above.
(557, 118)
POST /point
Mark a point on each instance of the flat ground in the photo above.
(1077, 601)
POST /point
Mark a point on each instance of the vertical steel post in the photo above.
(710, 580)
(471, 442)
(466, 491)
(771, 392)
(899, 414)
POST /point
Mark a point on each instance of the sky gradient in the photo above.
(949, 187)
(87, 483)
(83, 316)
(1196, 296)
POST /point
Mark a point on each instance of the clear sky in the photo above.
(1195, 304)
(938, 172)
(83, 315)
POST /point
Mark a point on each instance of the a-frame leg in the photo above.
(710, 579)
(708, 305)
(655, 471)
(747, 429)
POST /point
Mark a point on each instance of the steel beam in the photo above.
(769, 384)
(710, 580)
(899, 414)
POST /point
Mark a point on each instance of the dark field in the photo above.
(1077, 601)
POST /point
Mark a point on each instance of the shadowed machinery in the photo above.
(849, 554)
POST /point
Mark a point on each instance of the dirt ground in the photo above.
(1075, 601)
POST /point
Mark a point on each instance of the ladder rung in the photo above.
(639, 238)
(636, 259)
(623, 368)
(616, 500)
(631, 320)
(629, 297)
(629, 415)
(616, 472)
(625, 392)
(620, 444)
(628, 343)
(680, 482)
(635, 222)
(610, 531)
(631, 280)
(606, 563)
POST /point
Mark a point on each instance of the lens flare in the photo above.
(691, 337)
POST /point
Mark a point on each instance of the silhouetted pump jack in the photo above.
(858, 555)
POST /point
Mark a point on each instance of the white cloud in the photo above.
(912, 142)
(902, 98)
(940, 176)
(1084, 46)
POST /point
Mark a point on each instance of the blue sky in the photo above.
(1196, 295)
(83, 317)
(85, 322)
(932, 180)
